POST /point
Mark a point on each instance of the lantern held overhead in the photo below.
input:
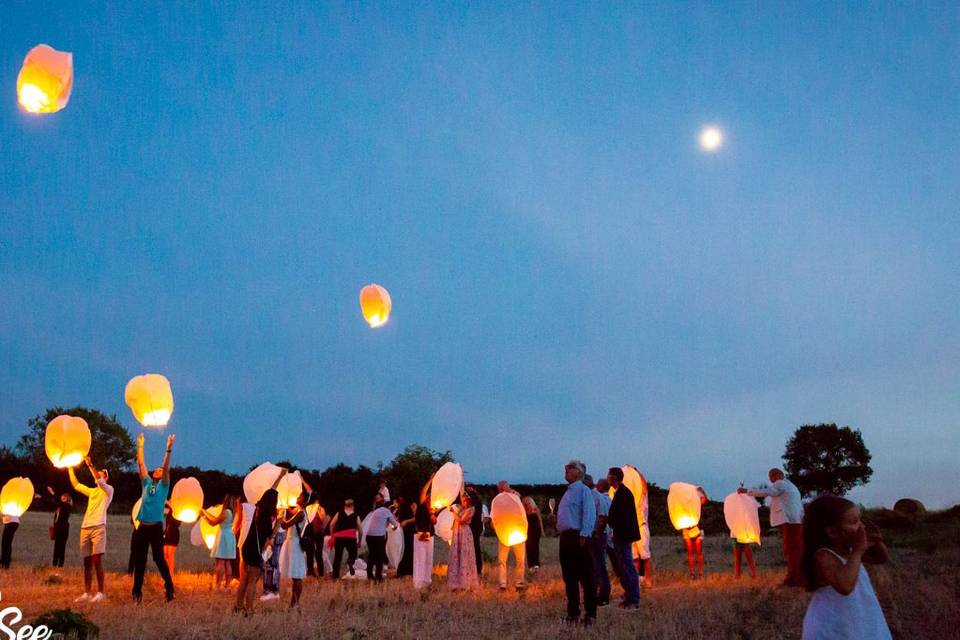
(743, 517)
(683, 503)
(259, 480)
(509, 519)
(375, 304)
(45, 80)
(289, 490)
(67, 441)
(446, 486)
(186, 499)
(150, 399)
(16, 496)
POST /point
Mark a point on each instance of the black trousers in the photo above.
(533, 550)
(6, 546)
(477, 534)
(576, 565)
(149, 537)
(377, 545)
(60, 537)
(339, 545)
(309, 546)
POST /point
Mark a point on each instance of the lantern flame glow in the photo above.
(150, 399)
(375, 303)
(45, 80)
(66, 441)
(16, 496)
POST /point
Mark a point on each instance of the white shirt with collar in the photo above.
(786, 507)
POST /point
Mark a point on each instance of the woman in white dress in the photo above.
(836, 544)
(293, 562)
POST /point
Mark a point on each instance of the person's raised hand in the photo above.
(140, 440)
(860, 541)
(170, 439)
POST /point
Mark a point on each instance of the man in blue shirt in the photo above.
(576, 519)
(149, 535)
(599, 542)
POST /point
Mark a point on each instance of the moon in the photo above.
(711, 139)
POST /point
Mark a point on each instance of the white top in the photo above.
(246, 517)
(98, 499)
(377, 524)
(833, 616)
(385, 493)
(786, 507)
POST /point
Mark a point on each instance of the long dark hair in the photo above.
(825, 511)
(263, 516)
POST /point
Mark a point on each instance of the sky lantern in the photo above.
(446, 486)
(711, 138)
(395, 546)
(683, 503)
(375, 304)
(150, 399)
(509, 519)
(45, 80)
(743, 517)
(208, 532)
(16, 496)
(186, 499)
(444, 525)
(289, 489)
(259, 480)
(67, 441)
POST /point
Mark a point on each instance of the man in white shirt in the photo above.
(377, 538)
(786, 514)
(93, 529)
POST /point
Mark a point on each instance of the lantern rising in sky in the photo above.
(45, 80)
(67, 441)
(446, 485)
(711, 138)
(509, 519)
(375, 304)
(150, 399)
(186, 499)
(683, 503)
(16, 496)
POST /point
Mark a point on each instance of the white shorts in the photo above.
(93, 541)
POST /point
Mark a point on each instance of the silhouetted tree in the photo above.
(409, 470)
(827, 458)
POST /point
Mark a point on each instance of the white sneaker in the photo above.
(267, 597)
(100, 597)
(84, 598)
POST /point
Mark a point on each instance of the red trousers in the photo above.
(792, 537)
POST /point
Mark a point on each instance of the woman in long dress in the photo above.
(462, 567)
(293, 562)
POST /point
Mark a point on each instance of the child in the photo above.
(836, 543)
(225, 546)
(693, 537)
(171, 537)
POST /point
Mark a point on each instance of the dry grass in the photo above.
(919, 592)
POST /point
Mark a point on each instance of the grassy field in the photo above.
(920, 592)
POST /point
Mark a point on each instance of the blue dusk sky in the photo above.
(572, 276)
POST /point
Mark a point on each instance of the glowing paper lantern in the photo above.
(135, 513)
(208, 532)
(509, 519)
(45, 80)
(394, 547)
(683, 503)
(446, 486)
(311, 511)
(444, 525)
(743, 518)
(259, 480)
(151, 400)
(16, 496)
(186, 499)
(67, 441)
(375, 304)
(289, 489)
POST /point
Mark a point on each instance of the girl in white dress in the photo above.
(293, 563)
(836, 544)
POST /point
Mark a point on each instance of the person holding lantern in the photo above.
(576, 519)
(93, 529)
(255, 537)
(503, 552)
(693, 539)
(786, 514)
(376, 538)
(292, 561)
(462, 566)
(626, 530)
(224, 548)
(149, 535)
(425, 518)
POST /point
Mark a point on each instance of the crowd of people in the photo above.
(824, 544)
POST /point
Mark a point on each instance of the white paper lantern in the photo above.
(444, 526)
(743, 518)
(509, 519)
(446, 486)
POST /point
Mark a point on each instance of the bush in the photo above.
(72, 624)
